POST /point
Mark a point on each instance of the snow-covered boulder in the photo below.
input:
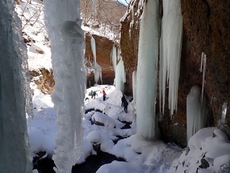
(121, 167)
(102, 119)
(208, 151)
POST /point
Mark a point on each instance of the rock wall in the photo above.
(129, 42)
(206, 28)
(103, 51)
(44, 80)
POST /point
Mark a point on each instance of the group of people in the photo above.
(124, 102)
(93, 94)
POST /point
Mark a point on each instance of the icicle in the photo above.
(97, 68)
(203, 69)
(119, 54)
(93, 47)
(170, 52)
(134, 82)
(147, 70)
(120, 78)
(196, 111)
(114, 57)
(224, 112)
(68, 97)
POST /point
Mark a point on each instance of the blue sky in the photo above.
(123, 1)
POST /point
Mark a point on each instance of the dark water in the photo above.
(94, 162)
(43, 165)
(91, 165)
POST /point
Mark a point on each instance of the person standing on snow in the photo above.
(91, 94)
(124, 103)
(94, 94)
(104, 95)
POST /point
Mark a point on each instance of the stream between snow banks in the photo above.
(44, 163)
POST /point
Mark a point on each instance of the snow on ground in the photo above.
(140, 154)
(208, 150)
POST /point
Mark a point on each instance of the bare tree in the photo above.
(102, 12)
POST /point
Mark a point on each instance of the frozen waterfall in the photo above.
(147, 70)
(120, 75)
(171, 44)
(66, 36)
(14, 87)
(97, 68)
(134, 81)
(114, 57)
(196, 111)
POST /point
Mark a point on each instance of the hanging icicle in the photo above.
(224, 112)
(97, 68)
(147, 69)
(66, 38)
(171, 43)
(120, 76)
(203, 69)
(114, 57)
(196, 111)
(134, 83)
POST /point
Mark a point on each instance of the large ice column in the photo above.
(66, 36)
(147, 69)
(134, 83)
(97, 68)
(114, 57)
(120, 75)
(14, 155)
(171, 43)
(196, 111)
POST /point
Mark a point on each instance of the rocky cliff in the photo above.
(206, 28)
(103, 50)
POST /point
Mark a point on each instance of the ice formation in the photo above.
(171, 44)
(196, 111)
(203, 69)
(66, 36)
(114, 57)
(97, 68)
(224, 111)
(119, 68)
(14, 87)
(120, 75)
(147, 70)
(134, 81)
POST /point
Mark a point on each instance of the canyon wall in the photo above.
(206, 28)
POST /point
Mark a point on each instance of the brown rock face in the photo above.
(45, 80)
(207, 29)
(103, 50)
(206, 26)
(129, 42)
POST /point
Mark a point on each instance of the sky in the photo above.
(123, 1)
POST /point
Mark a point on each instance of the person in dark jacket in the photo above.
(94, 94)
(124, 103)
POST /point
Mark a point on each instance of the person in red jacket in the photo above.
(104, 95)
